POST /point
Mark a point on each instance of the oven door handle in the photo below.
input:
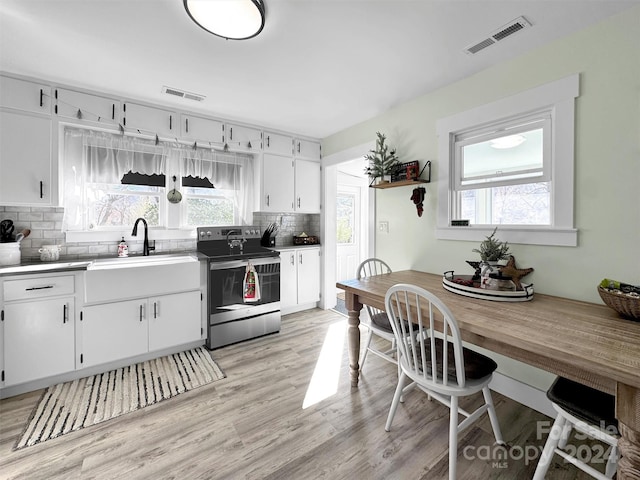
(243, 263)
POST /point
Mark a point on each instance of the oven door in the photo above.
(226, 280)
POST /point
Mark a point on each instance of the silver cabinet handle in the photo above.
(140, 312)
(298, 202)
(64, 313)
(293, 261)
(186, 123)
(268, 200)
(155, 309)
(300, 259)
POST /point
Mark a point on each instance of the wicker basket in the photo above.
(308, 240)
(622, 303)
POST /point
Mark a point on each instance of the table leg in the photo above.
(628, 414)
(353, 305)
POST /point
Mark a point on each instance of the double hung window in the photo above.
(110, 180)
(510, 164)
(502, 174)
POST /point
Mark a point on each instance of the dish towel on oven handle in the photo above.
(251, 286)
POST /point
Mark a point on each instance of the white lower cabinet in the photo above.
(117, 330)
(39, 339)
(299, 278)
(113, 331)
(174, 319)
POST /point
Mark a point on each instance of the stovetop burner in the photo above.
(232, 243)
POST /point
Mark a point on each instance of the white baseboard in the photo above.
(522, 393)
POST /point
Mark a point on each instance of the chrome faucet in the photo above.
(145, 245)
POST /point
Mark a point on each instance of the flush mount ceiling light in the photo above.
(230, 19)
(509, 141)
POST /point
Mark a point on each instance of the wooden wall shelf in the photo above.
(401, 183)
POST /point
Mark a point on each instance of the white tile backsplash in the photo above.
(45, 224)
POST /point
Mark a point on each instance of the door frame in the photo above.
(328, 218)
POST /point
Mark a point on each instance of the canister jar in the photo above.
(49, 253)
(497, 281)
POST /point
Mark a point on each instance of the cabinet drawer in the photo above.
(42, 287)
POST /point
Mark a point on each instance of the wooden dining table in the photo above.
(586, 342)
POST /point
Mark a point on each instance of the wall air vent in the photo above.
(182, 94)
(503, 32)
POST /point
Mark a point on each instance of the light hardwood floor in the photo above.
(251, 425)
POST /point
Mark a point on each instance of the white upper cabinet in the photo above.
(277, 184)
(199, 129)
(307, 149)
(26, 167)
(87, 107)
(239, 137)
(24, 95)
(277, 143)
(150, 120)
(307, 182)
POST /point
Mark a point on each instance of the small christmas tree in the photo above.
(491, 249)
(382, 161)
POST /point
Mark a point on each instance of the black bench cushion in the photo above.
(381, 320)
(476, 365)
(585, 403)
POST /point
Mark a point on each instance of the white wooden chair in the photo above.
(586, 410)
(445, 374)
(378, 321)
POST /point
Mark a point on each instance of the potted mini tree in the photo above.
(492, 250)
(382, 161)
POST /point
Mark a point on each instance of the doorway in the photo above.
(348, 219)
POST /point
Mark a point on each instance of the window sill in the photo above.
(116, 235)
(564, 237)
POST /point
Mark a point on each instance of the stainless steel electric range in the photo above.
(229, 251)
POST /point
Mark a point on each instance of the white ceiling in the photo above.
(318, 66)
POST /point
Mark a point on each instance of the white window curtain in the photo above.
(109, 157)
(226, 171)
(100, 157)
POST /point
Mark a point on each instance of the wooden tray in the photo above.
(449, 283)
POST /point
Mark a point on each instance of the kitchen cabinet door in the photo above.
(174, 320)
(307, 149)
(307, 186)
(246, 139)
(113, 331)
(39, 339)
(277, 143)
(308, 275)
(26, 176)
(93, 108)
(288, 279)
(277, 183)
(25, 95)
(150, 120)
(200, 129)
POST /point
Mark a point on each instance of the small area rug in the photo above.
(70, 406)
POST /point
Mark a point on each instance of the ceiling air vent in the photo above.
(182, 94)
(503, 32)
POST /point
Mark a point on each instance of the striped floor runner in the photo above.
(70, 406)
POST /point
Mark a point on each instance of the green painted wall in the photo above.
(607, 161)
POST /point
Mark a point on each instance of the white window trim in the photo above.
(560, 96)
